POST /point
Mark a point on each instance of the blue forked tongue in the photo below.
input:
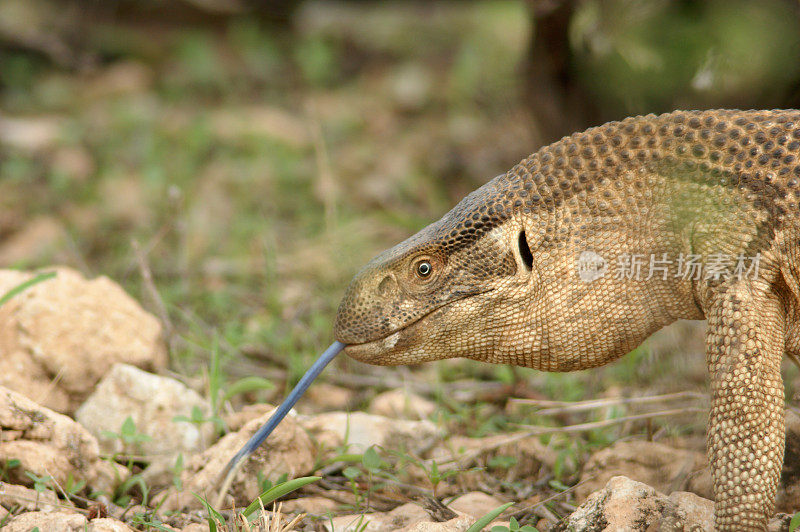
(258, 438)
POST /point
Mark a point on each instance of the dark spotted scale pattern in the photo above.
(507, 286)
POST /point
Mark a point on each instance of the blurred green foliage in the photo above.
(655, 56)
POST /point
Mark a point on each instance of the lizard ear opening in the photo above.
(525, 251)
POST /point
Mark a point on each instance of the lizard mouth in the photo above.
(381, 350)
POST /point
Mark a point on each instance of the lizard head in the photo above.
(517, 273)
(546, 266)
(428, 297)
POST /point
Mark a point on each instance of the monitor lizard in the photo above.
(582, 250)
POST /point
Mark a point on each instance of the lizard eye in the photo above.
(424, 268)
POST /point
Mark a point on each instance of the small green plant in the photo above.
(351, 473)
(40, 484)
(481, 523)
(198, 418)
(148, 520)
(794, 524)
(278, 491)
(513, 526)
(265, 484)
(177, 469)
(127, 433)
(216, 521)
(6, 466)
(122, 496)
(434, 474)
(72, 486)
(214, 518)
(502, 462)
(218, 396)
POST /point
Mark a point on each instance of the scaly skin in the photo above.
(497, 278)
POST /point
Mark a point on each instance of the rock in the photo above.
(124, 201)
(475, 503)
(74, 163)
(63, 521)
(363, 430)
(687, 511)
(36, 241)
(411, 87)
(27, 499)
(64, 334)
(408, 517)
(50, 444)
(30, 134)
(317, 506)
(401, 404)
(329, 397)
(152, 402)
(288, 450)
(236, 420)
(196, 527)
(665, 468)
(788, 499)
(107, 524)
(234, 123)
(779, 523)
(624, 504)
(456, 524)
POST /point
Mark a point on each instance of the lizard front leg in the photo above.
(744, 347)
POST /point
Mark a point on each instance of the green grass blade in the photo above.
(481, 523)
(247, 384)
(213, 515)
(278, 491)
(24, 286)
(794, 524)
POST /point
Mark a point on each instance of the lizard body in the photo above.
(538, 268)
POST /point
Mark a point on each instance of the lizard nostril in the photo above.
(387, 286)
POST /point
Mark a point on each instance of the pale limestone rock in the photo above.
(50, 444)
(656, 464)
(14, 495)
(362, 430)
(326, 397)
(37, 240)
(318, 506)
(407, 514)
(236, 420)
(196, 527)
(456, 524)
(62, 335)
(107, 524)
(288, 450)
(63, 521)
(687, 511)
(788, 499)
(624, 504)
(401, 404)
(152, 402)
(475, 503)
